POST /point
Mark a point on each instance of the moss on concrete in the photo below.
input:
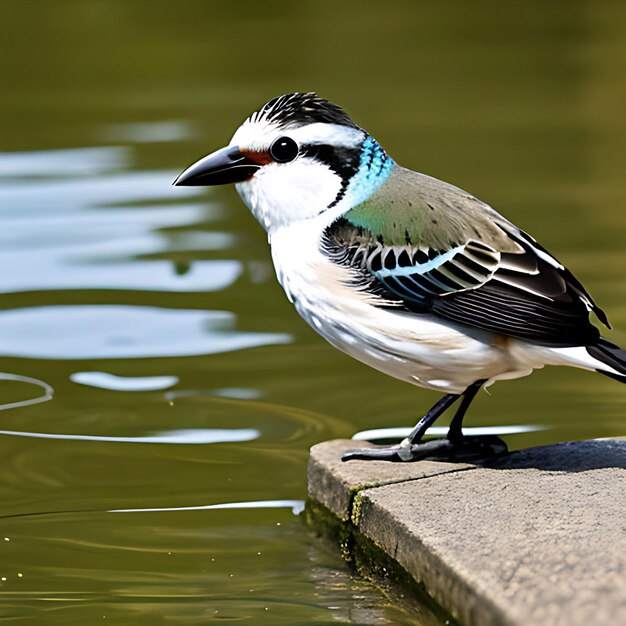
(374, 564)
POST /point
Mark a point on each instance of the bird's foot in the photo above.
(472, 448)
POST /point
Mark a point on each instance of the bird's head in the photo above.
(296, 157)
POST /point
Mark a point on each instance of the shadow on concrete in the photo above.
(572, 456)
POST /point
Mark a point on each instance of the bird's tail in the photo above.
(611, 358)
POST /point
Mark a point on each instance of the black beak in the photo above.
(227, 165)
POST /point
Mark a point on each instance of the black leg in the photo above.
(403, 451)
(429, 419)
(455, 447)
(455, 433)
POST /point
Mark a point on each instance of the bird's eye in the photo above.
(284, 149)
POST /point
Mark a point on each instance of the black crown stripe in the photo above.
(296, 109)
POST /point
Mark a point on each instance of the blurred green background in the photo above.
(108, 270)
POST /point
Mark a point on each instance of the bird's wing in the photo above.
(502, 281)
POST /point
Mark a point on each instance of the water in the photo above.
(159, 484)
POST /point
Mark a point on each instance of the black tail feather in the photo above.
(611, 355)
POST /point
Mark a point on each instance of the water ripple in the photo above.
(163, 131)
(193, 436)
(123, 332)
(296, 506)
(104, 380)
(402, 432)
(64, 162)
(44, 197)
(39, 274)
(48, 391)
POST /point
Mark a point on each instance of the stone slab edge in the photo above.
(334, 483)
(441, 582)
(343, 489)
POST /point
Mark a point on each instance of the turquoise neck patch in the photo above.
(374, 169)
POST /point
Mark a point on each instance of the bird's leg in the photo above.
(455, 432)
(455, 447)
(402, 452)
(476, 446)
(417, 434)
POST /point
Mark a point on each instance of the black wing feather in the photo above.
(529, 295)
(502, 309)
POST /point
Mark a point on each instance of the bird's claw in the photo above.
(472, 448)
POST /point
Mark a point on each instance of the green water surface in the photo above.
(107, 491)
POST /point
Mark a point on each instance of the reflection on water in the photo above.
(104, 380)
(187, 436)
(296, 506)
(235, 393)
(181, 375)
(122, 332)
(66, 163)
(375, 434)
(150, 132)
(57, 233)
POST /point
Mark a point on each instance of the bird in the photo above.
(404, 272)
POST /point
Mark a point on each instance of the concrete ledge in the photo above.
(334, 483)
(537, 537)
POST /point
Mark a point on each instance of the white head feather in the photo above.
(281, 193)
